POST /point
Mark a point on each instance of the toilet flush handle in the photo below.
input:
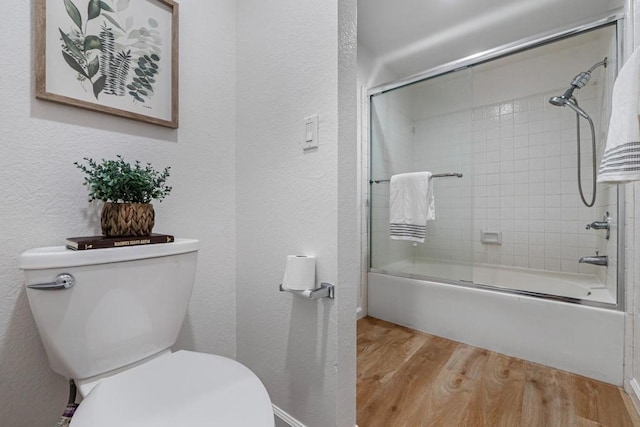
(63, 281)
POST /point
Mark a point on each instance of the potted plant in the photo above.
(127, 191)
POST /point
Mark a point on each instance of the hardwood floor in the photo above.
(410, 379)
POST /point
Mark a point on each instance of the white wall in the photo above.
(420, 36)
(371, 72)
(44, 200)
(291, 202)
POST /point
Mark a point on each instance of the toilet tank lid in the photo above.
(61, 257)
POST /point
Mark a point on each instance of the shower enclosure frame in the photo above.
(616, 19)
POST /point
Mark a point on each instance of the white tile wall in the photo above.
(632, 296)
(519, 158)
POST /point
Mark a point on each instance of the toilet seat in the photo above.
(181, 389)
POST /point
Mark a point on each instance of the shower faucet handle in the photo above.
(598, 225)
(605, 224)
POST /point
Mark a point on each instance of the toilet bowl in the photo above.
(111, 327)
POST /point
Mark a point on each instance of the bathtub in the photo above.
(586, 287)
(582, 339)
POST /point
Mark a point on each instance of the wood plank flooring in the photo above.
(410, 379)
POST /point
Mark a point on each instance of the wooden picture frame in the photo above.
(118, 57)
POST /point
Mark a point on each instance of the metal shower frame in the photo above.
(616, 19)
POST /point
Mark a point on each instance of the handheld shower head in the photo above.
(561, 101)
(567, 99)
(578, 82)
(569, 103)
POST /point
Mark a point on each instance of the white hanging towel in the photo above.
(411, 206)
(621, 160)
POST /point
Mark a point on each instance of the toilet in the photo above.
(108, 318)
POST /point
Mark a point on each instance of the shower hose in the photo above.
(593, 159)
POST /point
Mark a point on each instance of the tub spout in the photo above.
(595, 260)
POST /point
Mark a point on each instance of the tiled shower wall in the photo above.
(392, 130)
(521, 157)
(443, 144)
(519, 161)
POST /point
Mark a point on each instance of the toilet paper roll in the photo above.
(300, 273)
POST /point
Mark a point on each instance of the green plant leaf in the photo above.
(106, 7)
(98, 85)
(74, 13)
(114, 22)
(155, 57)
(74, 64)
(93, 9)
(92, 42)
(71, 45)
(93, 66)
(116, 180)
(153, 23)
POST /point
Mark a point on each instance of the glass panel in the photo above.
(516, 219)
(425, 126)
(526, 157)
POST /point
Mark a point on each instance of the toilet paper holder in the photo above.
(326, 290)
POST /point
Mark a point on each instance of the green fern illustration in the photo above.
(107, 59)
(115, 66)
(122, 67)
(116, 59)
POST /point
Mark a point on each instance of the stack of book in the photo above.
(102, 242)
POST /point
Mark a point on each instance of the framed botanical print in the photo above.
(114, 56)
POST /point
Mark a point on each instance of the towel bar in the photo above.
(438, 175)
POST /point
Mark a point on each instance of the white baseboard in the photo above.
(285, 417)
(635, 394)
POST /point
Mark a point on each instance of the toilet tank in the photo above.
(127, 303)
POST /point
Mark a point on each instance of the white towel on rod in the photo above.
(411, 206)
(621, 160)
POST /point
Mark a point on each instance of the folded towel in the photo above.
(411, 206)
(621, 160)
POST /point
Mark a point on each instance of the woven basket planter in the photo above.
(127, 219)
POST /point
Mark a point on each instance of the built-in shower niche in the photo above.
(518, 154)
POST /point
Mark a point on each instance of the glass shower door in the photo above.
(426, 126)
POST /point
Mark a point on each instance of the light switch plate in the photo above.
(310, 138)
